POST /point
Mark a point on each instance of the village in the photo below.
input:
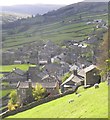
(50, 62)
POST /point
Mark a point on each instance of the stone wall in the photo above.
(35, 103)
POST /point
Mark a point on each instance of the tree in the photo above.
(13, 102)
(103, 56)
(39, 92)
(13, 97)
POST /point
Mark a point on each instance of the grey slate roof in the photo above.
(91, 67)
(19, 71)
(74, 78)
(25, 85)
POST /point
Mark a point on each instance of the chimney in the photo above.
(75, 72)
(30, 83)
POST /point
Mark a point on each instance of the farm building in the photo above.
(91, 75)
(24, 89)
(87, 77)
(15, 76)
(72, 82)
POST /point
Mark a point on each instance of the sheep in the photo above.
(96, 85)
(79, 95)
(71, 101)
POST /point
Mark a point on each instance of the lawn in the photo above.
(93, 103)
(9, 68)
(4, 92)
(1, 75)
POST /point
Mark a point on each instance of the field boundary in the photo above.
(35, 103)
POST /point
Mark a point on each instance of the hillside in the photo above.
(31, 9)
(7, 17)
(92, 103)
(66, 23)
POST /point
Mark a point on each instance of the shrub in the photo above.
(13, 102)
(39, 92)
(11, 106)
(13, 97)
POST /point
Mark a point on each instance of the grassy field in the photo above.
(9, 68)
(5, 92)
(57, 31)
(93, 103)
(1, 75)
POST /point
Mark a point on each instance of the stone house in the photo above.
(17, 62)
(52, 69)
(91, 75)
(15, 76)
(33, 72)
(24, 89)
(51, 83)
(72, 82)
(24, 92)
(48, 51)
(87, 77)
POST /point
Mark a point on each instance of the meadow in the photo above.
(9, 68)
(92, 103)
(56, 31)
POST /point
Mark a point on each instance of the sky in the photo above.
(17, 2)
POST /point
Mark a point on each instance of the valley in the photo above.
(45, 57)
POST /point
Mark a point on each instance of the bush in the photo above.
(13, 97)
(39, 92)
(13, 102)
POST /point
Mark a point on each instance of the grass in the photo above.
(93, 103)
(9, 68)
(1, 75)
(56, 32)
(4, 92)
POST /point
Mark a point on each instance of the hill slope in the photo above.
(67, 23)
(31, 9)
(7, 17)
(93, 103)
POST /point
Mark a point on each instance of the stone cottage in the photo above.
(72, 82)
(24, 89)
(33, 72)
(87, 77)
(24, 92)
(91, 75)
(15, 76)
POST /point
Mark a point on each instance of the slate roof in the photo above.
(83, 72)
(91, 67)
(74, 67)
(53, 78)
(74, 78)
(25, 85)
(19, 71)
(46, 85)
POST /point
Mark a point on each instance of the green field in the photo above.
(5, 92)
(55, 31)
(9, 68)
(93, 103)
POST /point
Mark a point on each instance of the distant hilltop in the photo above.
(31, 9)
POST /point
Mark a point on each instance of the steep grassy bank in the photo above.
(93, 103)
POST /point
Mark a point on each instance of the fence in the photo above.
(35, 103)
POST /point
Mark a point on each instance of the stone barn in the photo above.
(91, 75)
(72, 82)
(15, 76)
(33, 72)
(24, 90)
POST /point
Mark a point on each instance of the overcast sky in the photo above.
(16, 2)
